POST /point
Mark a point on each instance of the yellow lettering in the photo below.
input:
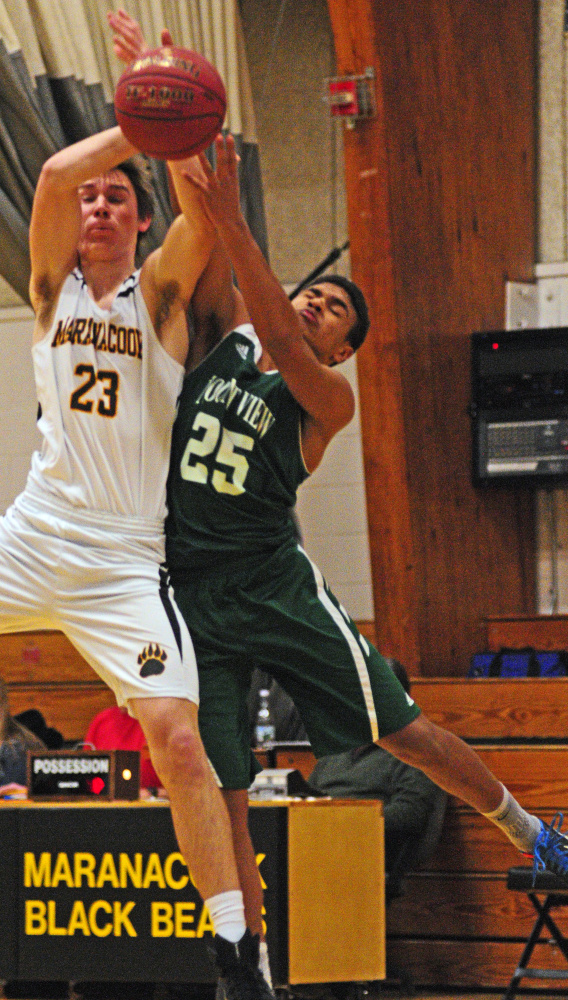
(62, 872)
(79, 326)
(154, 872)
(107, 872)
(259, 859)
(35, 917)
(173, 883)
(84, 864)
(37, 875)
(52, 929)
(204, 924)
(128, 871)
(121, 919)
(78, 919)
(162, 923)
(184, 915)
(100, 904)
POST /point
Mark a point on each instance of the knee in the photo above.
(184, 751)
(177, 751)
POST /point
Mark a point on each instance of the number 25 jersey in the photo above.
(236, 461)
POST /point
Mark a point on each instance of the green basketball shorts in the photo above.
(281, 617)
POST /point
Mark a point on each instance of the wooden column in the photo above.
(379, 372)
(440, 193)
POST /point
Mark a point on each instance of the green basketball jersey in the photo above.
(236, 461)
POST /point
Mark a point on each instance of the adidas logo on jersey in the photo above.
(243, 351)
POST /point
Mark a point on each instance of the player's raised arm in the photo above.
(56, 215)
(170, 274)
(304, 344)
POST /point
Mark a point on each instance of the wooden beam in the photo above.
(441, 204)
(378, 361)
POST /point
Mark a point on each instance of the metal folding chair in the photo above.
(556, 894)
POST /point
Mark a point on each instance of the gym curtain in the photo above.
(58, 72)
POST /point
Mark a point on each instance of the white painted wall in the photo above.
(541, 305)
(333, 516)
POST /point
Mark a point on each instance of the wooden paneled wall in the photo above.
(441, 202)
(44, 671)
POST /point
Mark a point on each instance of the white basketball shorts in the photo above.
(99, 579)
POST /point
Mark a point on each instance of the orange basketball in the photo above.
(170, 103)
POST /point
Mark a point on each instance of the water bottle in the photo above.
(264, 729)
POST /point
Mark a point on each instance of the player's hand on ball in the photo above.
(128, 41)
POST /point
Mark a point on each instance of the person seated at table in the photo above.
(15, 741)
(115, 729)
(33, 720)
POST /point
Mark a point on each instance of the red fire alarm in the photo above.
(352, 97)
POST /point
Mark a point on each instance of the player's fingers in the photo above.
(166, 37)
(221, 153)
(232, 158)
(124, 53)
(205, 165)
(197, 182)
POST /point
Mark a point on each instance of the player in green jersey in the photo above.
(253, 422)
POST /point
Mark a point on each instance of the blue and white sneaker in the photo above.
(551, 848)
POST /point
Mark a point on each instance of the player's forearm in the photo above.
(91, 157)
(273, 317)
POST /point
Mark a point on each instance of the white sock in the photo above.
(263, 963)
(227, 914)
(521, 827)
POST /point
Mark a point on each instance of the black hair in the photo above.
(358, 331)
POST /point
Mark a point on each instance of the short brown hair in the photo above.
(139, 173)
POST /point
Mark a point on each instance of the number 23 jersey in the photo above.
(236, 461)
(108, 391)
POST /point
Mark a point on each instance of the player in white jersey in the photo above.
(82, 548)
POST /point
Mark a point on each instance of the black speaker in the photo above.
(519, 406)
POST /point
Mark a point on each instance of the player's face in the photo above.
(328, 316)
(109, 216)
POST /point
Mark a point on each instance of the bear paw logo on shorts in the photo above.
(152, 660)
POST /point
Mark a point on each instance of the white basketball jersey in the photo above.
(108, 392)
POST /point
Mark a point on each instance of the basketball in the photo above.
(170, 103)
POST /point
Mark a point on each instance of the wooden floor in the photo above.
(374, 993)
(384, 993)
(380, 993)
(390, 992)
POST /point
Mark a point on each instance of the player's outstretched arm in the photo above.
(171, 273)
(324, 394)
(128, 41)
(217, 306)
(56, 217)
